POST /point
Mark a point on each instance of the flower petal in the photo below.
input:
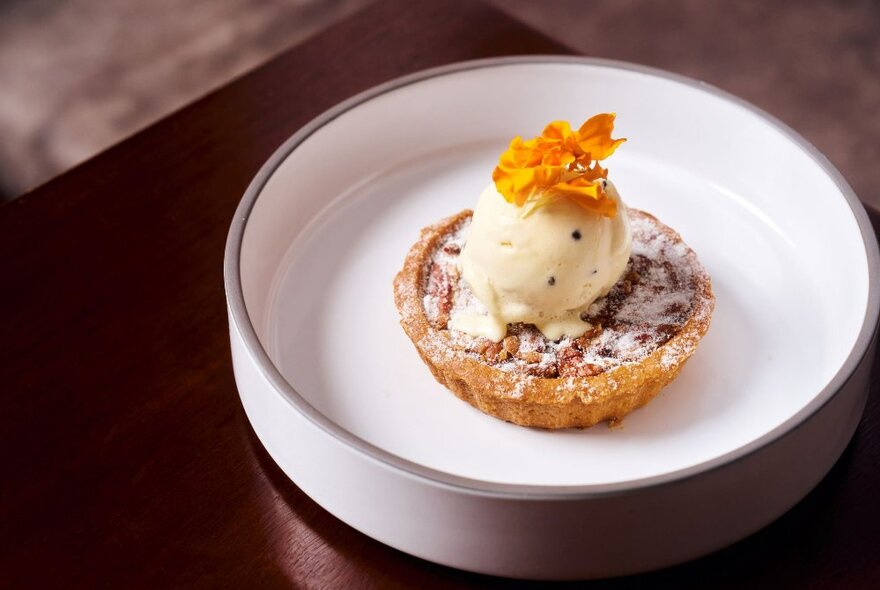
(559, 164)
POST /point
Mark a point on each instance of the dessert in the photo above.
(553, 304)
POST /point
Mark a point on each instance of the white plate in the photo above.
(321, 359)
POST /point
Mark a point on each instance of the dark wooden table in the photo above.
(127, 460)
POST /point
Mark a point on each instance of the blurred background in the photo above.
(77, 76)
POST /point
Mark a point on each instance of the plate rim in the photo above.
(241, 321)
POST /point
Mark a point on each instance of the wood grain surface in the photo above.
(127, 460)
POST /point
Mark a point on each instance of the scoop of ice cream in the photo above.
(544, 268)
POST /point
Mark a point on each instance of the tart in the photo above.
(640, 333)
(552, 304)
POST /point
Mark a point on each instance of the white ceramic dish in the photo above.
(342, 402)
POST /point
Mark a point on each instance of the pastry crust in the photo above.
(528, 399)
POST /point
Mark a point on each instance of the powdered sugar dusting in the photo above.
(441, 275)
(649, 305)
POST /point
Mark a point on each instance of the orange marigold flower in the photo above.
(559, 164)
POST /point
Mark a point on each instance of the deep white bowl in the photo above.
(343, 404)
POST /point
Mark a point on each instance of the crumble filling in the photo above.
(648, 305)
